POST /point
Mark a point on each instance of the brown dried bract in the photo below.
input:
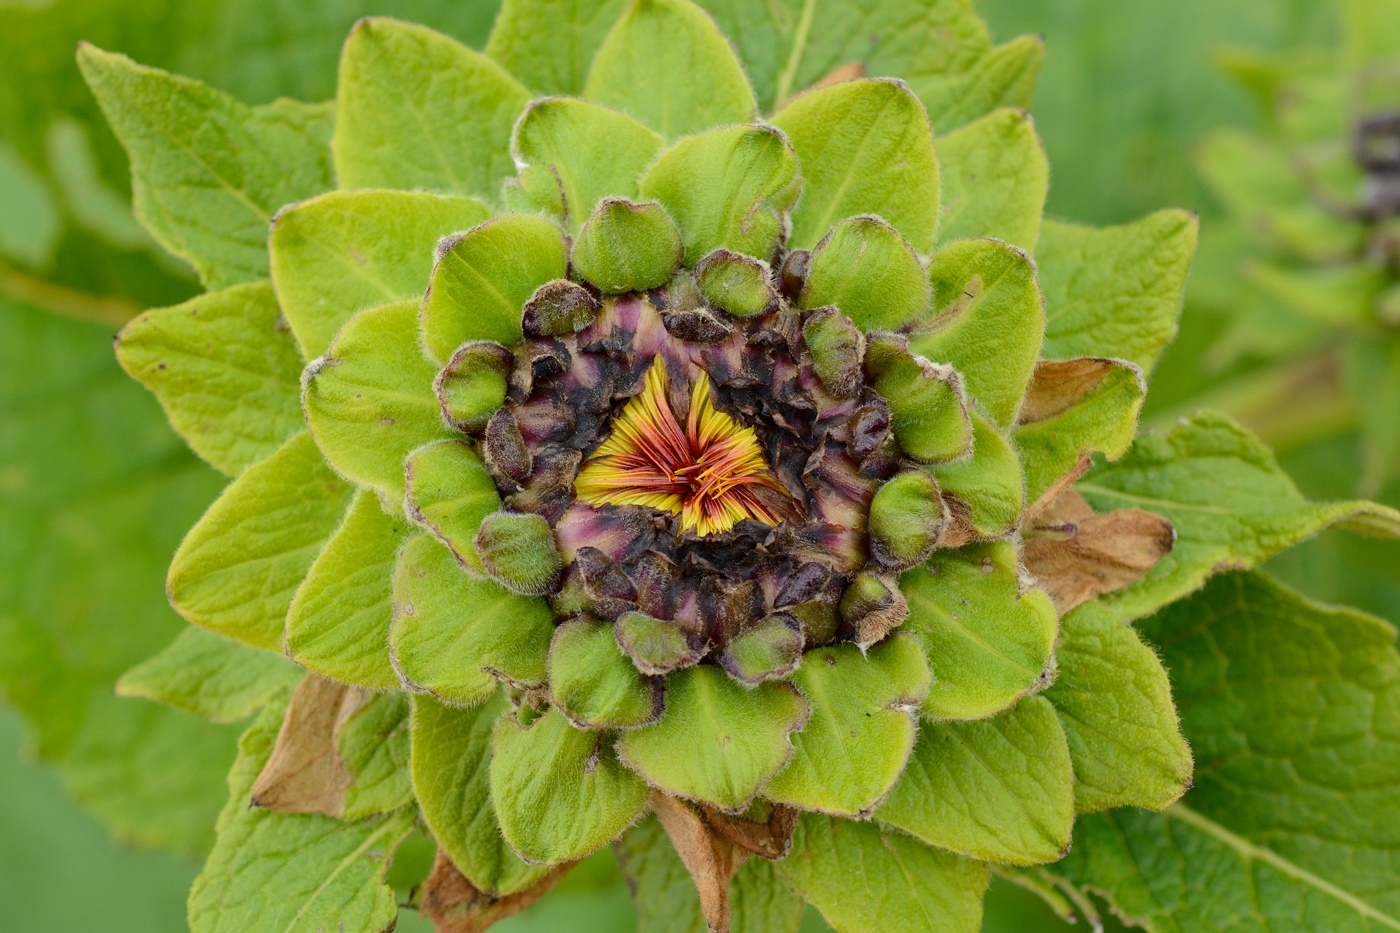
(305, 773)
(770, 839)
(1076, 554)
(455, 905)
(710, 855)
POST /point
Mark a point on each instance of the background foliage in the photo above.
(91, 477)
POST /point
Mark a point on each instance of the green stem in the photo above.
(68, 302)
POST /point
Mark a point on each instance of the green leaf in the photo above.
(865, 148)
(483, 278)
(373, 744)
(574, 154)
(855, 743)
(474, 383)
(449, 493)
(1004, 77)
(670, 99)
(83, 556)
(225, 373)
(450, 764)
(717, 741)
(1333, 296)
(1230, 503)
(208, 172)
(338, 623)
(1373, 372)
(549, 44)
(769, 650)
(627, 247)
(370, 401)
(594, 684)
(866, 269)
(928, 404)
(560, 792)
(906, 519)
(995, 177)
(519, 551)
(210, 676)
(342, 252)
(238, 568)
(999, 790)
(888, 883)
(452, 632)
(666, 899)
(298, 873)
(988, 320)
(987, 642)
(1115, 703)
(726, 189)
(1292, 709)
(30, 230)
(986, 489)
(740, 285)
(416, 109)
(1074, 409)
(1115, 292)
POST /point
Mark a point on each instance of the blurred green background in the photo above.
(1127, 89)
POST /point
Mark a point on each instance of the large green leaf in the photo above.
(238, 568)
(374, 746)
(1000, 789)
(889, 883)
(225, 374)
(865, 148)
(338, 622)
(995, 177)
(1230, 503)
(1115, 703)
(670, 100)
(1115, 292)
(208, 172)
(550, 44)
(451, 759)
(416, 109)
(210, 676)
(1293, 710)
(297, 873)
(345, 251)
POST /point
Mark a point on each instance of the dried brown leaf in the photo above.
(770, 839)
(305, 773)
(709, 855)
(455, 905)
(1058, 385)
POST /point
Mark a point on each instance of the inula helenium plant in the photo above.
(638, 442)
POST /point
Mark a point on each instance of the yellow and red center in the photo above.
(710, 473)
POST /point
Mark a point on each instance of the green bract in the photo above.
(680, 441)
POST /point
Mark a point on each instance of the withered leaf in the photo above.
(1058, 385)
(770, 839)
(455, 905)
(1076, 554)
(709, 855)
(306, 773)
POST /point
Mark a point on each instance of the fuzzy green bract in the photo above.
(837, 297)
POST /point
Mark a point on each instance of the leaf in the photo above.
(858, 737)
(483, 278)
(865, 147)
(32, 223)
(345, 251)
(1114, 701)
(928, 403)
(374, 744)
(574, 154)
(868, 271)
(550, 44)
(338, 622)
(726, 189)
(717, 742)
(210, 676)
(987, 642)
(450, 760)
(627, 247)
(594, 684)
(452, 634)
(1074, 409)
(1114, 292)
(710, 856)
(1231, 505)
(995, 177)
(670, 100)
(983, 492)
(449, 493)
(889, 883)
(416, 109)
(82, 557)
(559, 792)
(987, 321)
(999, 790)
(208, 172)
(667, 901)
(293, 872)
(455, 905)
(1004, 77)
(369, 401)
(305, 773)
(226, 375)
(238, 568)
(1373, 372)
